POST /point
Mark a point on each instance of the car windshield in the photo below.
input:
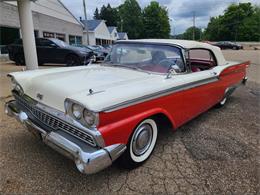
(60, 43)
(92, 48)
(153, 58)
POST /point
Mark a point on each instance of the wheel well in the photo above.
(71, 54)
(162, 121)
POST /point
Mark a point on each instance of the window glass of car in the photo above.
(200, 59)
(148, 57)
(201, 54)
(60, 43)
(45, 43)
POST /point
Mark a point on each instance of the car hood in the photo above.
(78, 49)
(110, 85)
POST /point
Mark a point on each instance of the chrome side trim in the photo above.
(160, 94)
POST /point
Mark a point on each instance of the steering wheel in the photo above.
(167, 63)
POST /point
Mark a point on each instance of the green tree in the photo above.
(156, 21)
(96, 14)
(109, 14)
(188, 34)
(131, 19)
(240, 22)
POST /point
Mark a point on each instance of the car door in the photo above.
(47, 51)
(202, 89)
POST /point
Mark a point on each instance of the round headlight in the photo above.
(76, 111)
(17, 88)
(89, 117)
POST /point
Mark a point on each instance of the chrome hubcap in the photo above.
(142, 139)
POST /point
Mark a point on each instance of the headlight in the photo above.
(81, 114)
(76, 111)
(89, 117)
(17, 87)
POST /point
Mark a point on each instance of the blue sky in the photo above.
(180, 11)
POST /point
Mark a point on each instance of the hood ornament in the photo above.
(92, 92)
(39, 96)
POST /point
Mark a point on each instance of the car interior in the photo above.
(200, 60)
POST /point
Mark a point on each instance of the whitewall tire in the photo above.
(140, 145)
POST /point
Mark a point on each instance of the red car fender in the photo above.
(120, 131)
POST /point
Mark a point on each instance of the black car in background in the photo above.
(97, 51)
(101, 49)
(50, 50)
(228, 45)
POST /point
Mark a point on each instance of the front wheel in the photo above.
(141, 144)
(19, 59)
(72, 60)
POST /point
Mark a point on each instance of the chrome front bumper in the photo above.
(88, 159)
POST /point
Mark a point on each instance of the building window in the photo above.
(48, 35)
(60, 36)
(75, 40)
(7, 35)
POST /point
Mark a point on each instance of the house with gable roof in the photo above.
(113, 32)
(97, 31)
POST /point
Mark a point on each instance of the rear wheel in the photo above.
(141, 144)
(72, 60)
(19, 59)
(222, 102)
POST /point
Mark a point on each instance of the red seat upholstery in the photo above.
(195, 69)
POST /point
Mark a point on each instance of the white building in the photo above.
(122, 36)
(98, 32)
(50, 19)
(113, 32)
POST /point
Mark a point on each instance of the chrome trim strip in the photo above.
(160, 94)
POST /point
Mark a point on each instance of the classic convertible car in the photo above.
(97, 114)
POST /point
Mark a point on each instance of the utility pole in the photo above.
(121, 29)
(86, 20)
(194, 15)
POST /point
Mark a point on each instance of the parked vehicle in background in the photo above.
(228, 45)
(99, 53)
(108, 47)
(99, 113)
(101, 48)
(50, 50)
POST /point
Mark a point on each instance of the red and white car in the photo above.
(96, 114)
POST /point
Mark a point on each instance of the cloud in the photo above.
(180, 12)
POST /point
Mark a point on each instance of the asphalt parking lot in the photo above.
(216, 153)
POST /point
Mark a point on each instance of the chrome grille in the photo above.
(53, 122)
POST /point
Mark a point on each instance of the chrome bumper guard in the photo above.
(88, 160)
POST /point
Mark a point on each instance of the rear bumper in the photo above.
(88, 159)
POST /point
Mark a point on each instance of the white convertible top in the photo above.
(187, 45)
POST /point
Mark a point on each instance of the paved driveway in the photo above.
(216, 153)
